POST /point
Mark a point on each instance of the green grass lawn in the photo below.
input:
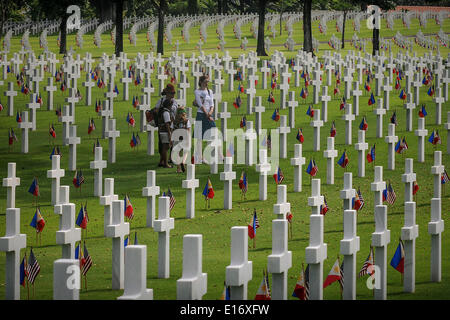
(215, 224)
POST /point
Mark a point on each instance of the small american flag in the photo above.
(369, 262)
(256, 219)
(360, 199)
(33, 268)
(391, 196)
(341, 271)
(87, 261)
(445, 177)
(307, 283)
(172, 200)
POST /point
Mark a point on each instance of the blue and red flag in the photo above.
(300, 137)
(243, 123)
(34, 188)
(324, 208)
(252, 228)
(423, 112)
(82, 218)
(371, 100)
(276, 115)
(237, 102)
(333, 130)
(430, 91)
(18, 117)
(243, 182)
(310, 112)
(23, 271)
(208, 191)
(398, 260)
(434, 138)
(402, 95)
(371, 155)
(304, 93)
(38, 221)
(271, 98)
(363, 125)
(343, 161)
(312, 168)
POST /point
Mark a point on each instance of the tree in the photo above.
(192, 7)
(56, 9)
(105, 9)
(260, 50)
(307, 30)
(119, 27)
(162, 9)
(7, 8)
(344, 6)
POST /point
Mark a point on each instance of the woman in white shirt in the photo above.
(204, 98)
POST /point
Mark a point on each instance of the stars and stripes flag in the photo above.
(33, 268)
(87, 260)
(226, 292)
(172, 199)
(78, 179)
(11, 136)
(368, 262)
(341, 280)
(252, 228)
(334, 274)
(279, 177)
(301, 290)
(389, 194)
(444, 177)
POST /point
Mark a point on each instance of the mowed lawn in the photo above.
(214, 223)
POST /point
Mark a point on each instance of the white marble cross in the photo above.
(148, 88)
(356, 93)
(316, 252)
(408, 178)
(239, 272)
(264, 72)
(250, 91)
(391, 140)
(378, 186)
(263, 167)
(325, 98)
(72, 99)
(379, 75)
(64, 192)
(380, 240)
(283, 130)
(190, 184)
(25, 125)
(56, 173)
(150, 191)
(10, 93)
(61, 291)
(348, 118)
(446, 81)
(66, 120)
(284, 87)
(250, 144)
(136, 274)
(11, 182)
(98, 165)
(161, 77)
(280, 261)
(112, 134)
(143, 107)
(106, 200)
(447, 127)
(193, 283)
(349, 247)
(163, 226)
(409, 107)
(409, 233)
(33, 105)
(72, 141)
(125, 80)
(298, 162)
(292, 104)
(387, 88)
(50, 88)
(348, 77)
(117, 230)
(317, 124)
(282, 207)
(380, 112)
(11, 243)
(259, 109)
(421, 133)
(417, 83)
(361, 146)
(437, 170)
(88, 84)
(68, 235)
(330, 154)
(439, 100)
(348, 193)
(227, 176)
(106, 113)
(224, 115)
(435, 229)
(151, 138)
